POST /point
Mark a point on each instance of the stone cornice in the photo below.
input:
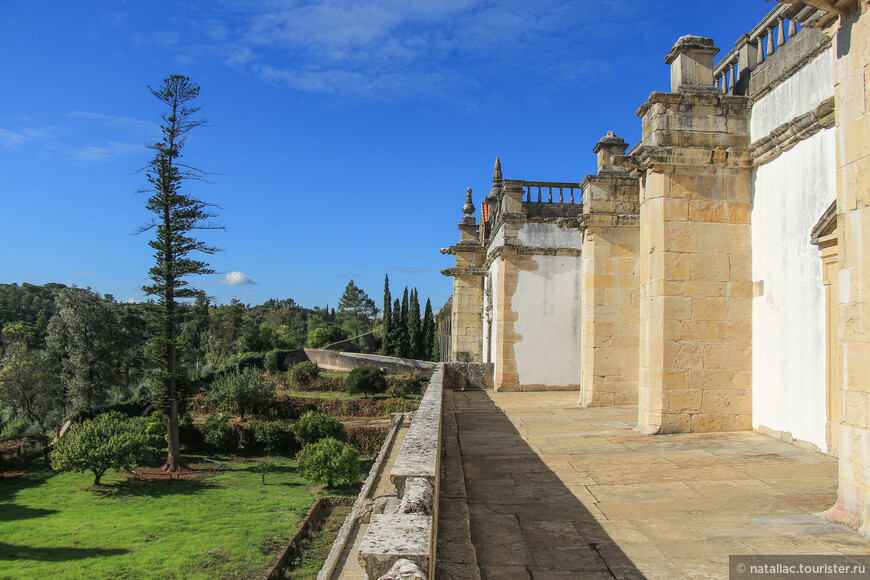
(463, 271)
(793, 132)
(713, 97)
(606, 177)
(526, 251)
(607, 220)
(656, 158)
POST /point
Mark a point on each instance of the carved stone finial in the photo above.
(468, 208)
(496, 172)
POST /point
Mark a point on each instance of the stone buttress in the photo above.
(695, 356)
(610, 286)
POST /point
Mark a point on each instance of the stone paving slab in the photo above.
(557, 491)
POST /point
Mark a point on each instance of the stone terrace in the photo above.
(557, 491)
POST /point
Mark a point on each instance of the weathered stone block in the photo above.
(393, 537)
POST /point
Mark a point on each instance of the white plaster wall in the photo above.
(497, 240)
(540, 235)
(800, 94)
(788, 320)
(548, 303)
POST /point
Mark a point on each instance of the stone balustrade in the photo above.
(400, 541)
(776, 29)
(549, 186)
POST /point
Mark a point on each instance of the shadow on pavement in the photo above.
(524, 522)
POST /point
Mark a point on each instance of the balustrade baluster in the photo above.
(561, 199)
(539, 194)
(731, 83)
(760, 56)
(550, 198)
(792, 28)
(780, 35)
(770, 46)
(572, 195)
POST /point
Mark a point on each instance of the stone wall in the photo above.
(851, 35)
(347, 361)
(402, 537)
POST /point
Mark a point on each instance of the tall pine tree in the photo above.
(176, 215)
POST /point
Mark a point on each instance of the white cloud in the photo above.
(11, 139)
(81, 273)
(236, 279)
(108, 152)
(399, 49)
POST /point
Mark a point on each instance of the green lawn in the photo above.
(225, 526)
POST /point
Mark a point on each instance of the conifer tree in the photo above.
(404, 344)
(388, 301)
(396, 330)
(176, 216)
(415, 338)
(428, 332)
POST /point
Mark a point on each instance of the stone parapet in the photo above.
(407, 530)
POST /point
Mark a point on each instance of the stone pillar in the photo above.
(851, 34)
(504, 281)
(610, 285)
(695, 260)
(466, 321)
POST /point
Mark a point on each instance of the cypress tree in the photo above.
(385, 341)
(404, 346)
(429, 331)
(395, 329)
(415, 338)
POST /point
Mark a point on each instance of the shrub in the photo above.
(395, 386)
(241, 392)
(249, 360)
(271, 436)
(218, 433)
(314, 426)
(304, 373)
(367, 379)
(109, 441)
(367, 440)
(15, 429)
(398, 406)
(329, 462)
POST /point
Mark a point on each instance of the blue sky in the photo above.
(343, 132)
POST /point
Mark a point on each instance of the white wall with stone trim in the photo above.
(790, 193)
(547, 301)
(799, 94)
(543, 235)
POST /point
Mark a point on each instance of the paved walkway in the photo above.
(556, 491)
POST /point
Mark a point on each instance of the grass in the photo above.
(225, 526)
(316, 551)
